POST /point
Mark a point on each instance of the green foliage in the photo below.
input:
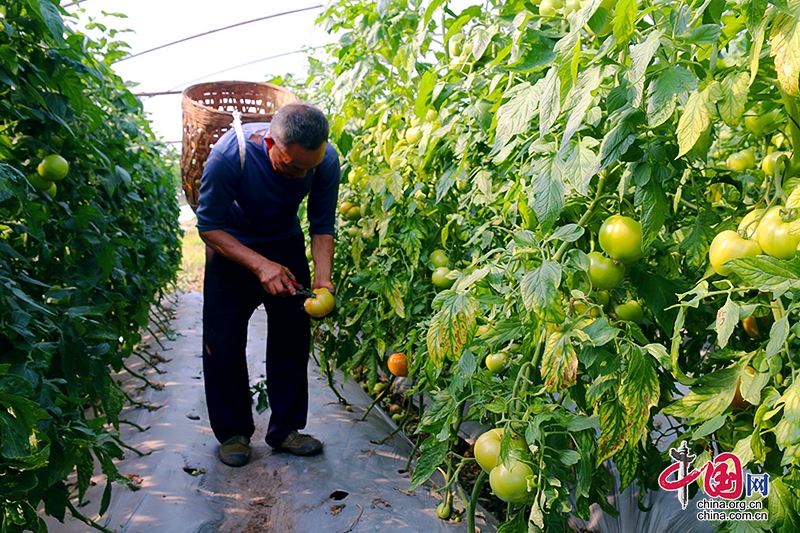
(540, 129)
(79, 272)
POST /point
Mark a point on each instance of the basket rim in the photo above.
(196, 86)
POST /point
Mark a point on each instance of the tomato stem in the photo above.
(794, 126)
(473, 501)
(598, 195)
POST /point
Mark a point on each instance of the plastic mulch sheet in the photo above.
(354, 486)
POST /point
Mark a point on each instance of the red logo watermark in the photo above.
(723, 476)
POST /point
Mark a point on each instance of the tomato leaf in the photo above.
(639, 391)
(612, 426)
(514, 116)
(559, 362)
(627, 462)
(696, 116)
(710, 397)
(624, 19)
(768, 274)
(778, 334)
(548, 192)
(665, 90)
(577, 162)
(540, 293)
(568, 233)
(704, 34)
(434, 453)
(700, 234)
(726, 321)
(735, 88)
(467, 363)
(641, 55)
(579, 100)
(651, 198)
(549, 101)
(785, 45)
(601, 332)
(620, 137)
(452, 326)
(782, 503)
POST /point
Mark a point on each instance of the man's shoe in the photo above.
(300, 444)
(235, 451)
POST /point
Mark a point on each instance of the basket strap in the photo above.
(237, 125)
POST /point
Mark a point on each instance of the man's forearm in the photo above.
(274, 278)
(322, 247)
(229, 246)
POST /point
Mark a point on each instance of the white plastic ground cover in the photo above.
(354, 486)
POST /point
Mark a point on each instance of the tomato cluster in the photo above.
(509, 480)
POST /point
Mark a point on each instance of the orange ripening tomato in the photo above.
(398, 364)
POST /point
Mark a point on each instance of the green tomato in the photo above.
(773, 235)
(630, 311)
(510, 484)
(741, 161)
(601, 297)
(547, 8)
(621, 238)
(604, 273)
(573, 5)
(51, 190)
(53, 168)
(438, 258)
(39, 182)
(487, 448)
(413, 135)
(444, 510)
(748, 225)
(729, 245)
(769, 162)
(440, 279)
(496, 362)
(762, 125)
(456, 44)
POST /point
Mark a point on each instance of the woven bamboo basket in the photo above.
(208, 113)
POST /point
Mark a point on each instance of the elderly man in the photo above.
(248, 217)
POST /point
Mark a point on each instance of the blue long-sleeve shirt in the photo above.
(257, 204)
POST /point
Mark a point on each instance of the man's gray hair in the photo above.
(300, 123)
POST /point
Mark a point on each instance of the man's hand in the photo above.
(275, 279)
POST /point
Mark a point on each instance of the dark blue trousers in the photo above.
(231, 295)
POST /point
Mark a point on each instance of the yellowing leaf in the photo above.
(452, 326)
(696, 116)
(785, 41)
(734, 97)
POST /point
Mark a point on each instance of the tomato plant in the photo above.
(88, 197)
(542, 132)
